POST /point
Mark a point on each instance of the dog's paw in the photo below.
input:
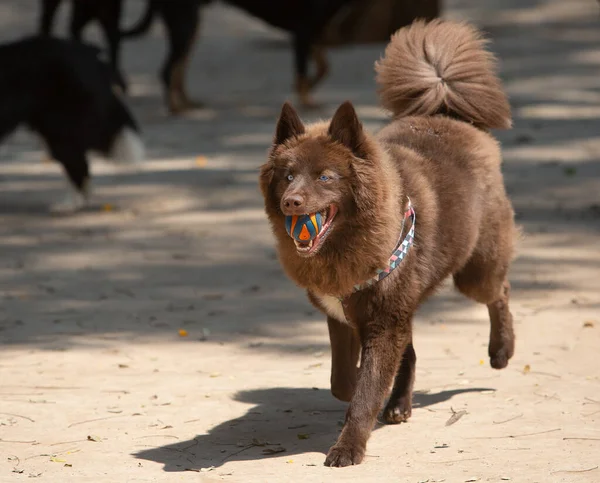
(500, 352)
(72, 203)
(185, 106)
(499, 359)
(399, 412)
(191, 104)
(341, 454)
(310, 104)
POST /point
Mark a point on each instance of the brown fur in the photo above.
(449, 168)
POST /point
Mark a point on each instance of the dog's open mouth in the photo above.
(310, 247)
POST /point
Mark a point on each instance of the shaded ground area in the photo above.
(98, 383)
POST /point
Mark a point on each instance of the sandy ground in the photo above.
(98, 385)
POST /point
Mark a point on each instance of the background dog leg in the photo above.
(109, 20)
(81, 15)
(179, 86)
(182, 26)
(345, 350)
(383, 344)
(76, 167)
(173, 100)
(189, 103)
(47, 16)
(302, 50)
(322, 65)
(73, 200)
(399, 407)
(303, 92)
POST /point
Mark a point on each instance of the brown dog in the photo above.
(437, 160)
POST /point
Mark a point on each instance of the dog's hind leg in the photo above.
(484, 279)
(181, 23)
(177, 98)
(49, 8)
(345, 352)
(495, 294)
(178, 85)
(399, 406)
(502, 336)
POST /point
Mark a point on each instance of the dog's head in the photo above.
(334, 169)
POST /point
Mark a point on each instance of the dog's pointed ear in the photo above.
(347, 129)
(289, 124)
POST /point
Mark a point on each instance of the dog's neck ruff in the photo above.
(398, 254)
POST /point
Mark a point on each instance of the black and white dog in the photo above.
(64, 92)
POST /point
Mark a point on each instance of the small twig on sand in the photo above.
(575, 471)
(238, 452)
(516, 435)
(92, 420)
(456, 415)
(253, 444)
(18, 416)
(325, 410)
(582, 439)
(507, 420)
(158, 436)
(15, 441)
(69, 442)
(60, 387)
(21, 394)
(545, 396)
(454, 461)
(540, 373)
(591, 414)
(534, 434)
(592, 400)
(191, 445)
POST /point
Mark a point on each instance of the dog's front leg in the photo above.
(383, 343)
(345, 349)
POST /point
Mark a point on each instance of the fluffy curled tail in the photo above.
(442, 67)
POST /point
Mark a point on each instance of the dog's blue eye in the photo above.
(323, 178)
(290, 177)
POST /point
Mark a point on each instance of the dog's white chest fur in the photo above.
(333, 307)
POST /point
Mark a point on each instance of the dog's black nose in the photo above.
(293, 202)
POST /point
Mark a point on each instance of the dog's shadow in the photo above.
(283, 422)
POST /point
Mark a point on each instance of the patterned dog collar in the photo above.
(398, 254)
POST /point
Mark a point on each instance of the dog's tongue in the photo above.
(304, 228)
